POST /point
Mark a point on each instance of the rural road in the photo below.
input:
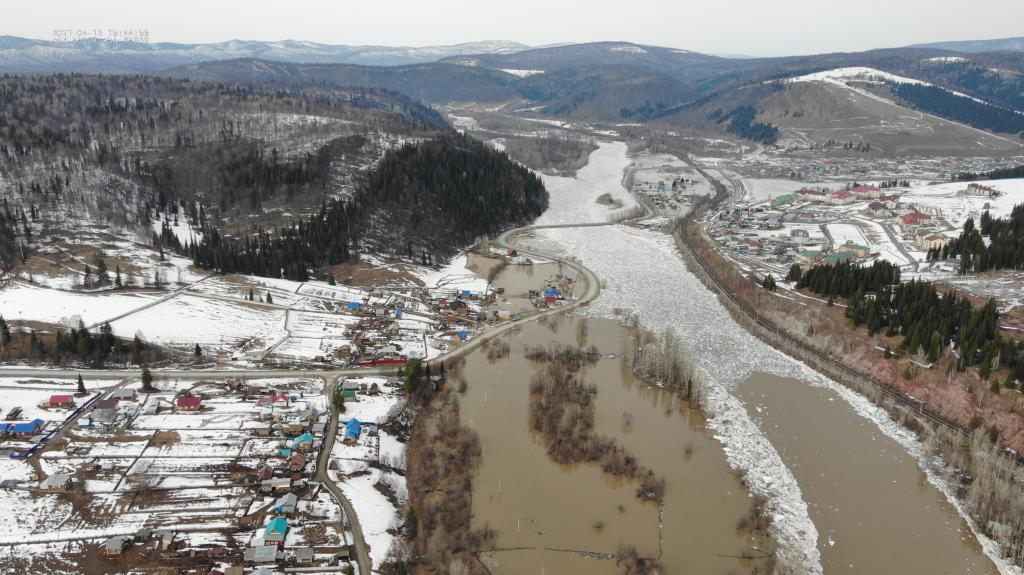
(362, 553)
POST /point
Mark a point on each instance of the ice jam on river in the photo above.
(879, 512)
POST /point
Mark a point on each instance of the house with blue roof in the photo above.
(353, 305)
(304, 441)
(276, 530)
(28, 428)
(353, 428)
(550, 292)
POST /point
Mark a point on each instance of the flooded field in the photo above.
(563, 519)
(874, 509)
(517, 280)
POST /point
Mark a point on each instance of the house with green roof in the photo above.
(784, 199)
(810, 256)
(856, 249)
(840, 257)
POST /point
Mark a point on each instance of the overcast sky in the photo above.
(754, 27)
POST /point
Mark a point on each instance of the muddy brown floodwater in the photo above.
(517, 280)
(556, 519)
(872, 505)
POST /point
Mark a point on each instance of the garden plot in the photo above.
(217, 422)
(373, 408)
(29, 400)
(186, 320)
(375, 512)
(237, 287)
(25, 302)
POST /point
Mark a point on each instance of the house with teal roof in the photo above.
(276, 530)
(304, 441)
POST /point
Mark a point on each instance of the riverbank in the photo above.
(901, 416)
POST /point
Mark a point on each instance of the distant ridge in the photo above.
(977, 46)
(26, 55)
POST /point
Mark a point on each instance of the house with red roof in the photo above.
(188, 403)
(60, 400)
(912, 219)
(866, 191)
(841, 197)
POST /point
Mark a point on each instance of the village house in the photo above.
(890, 201)
(810, 257)
(286, 504)
(303, 442)
(105, 410)
(25, 428)
(297, 462)
(353, 428)
(841, 198)
(261, 554)
(276, 485)
(61, 401)
(276, 530)
(856, 249)
(123, 394)
(931, 241)
(57, 482)
(912, 219)
(116, 545)
(877, 209)
(188, 403)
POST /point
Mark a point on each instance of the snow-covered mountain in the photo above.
(95, 55)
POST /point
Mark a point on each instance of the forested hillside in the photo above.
(741, 123)
(422, 201)
(120, 151)
(946, 104)
(999, 174)
(1005, 249)
(929, 322)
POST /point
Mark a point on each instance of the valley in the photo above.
(485, 308)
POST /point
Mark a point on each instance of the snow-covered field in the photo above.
(187, 320)
(945, 201)
(845, 233)
(20, 301)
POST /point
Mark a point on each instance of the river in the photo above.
(844, 487)
(537, 506)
